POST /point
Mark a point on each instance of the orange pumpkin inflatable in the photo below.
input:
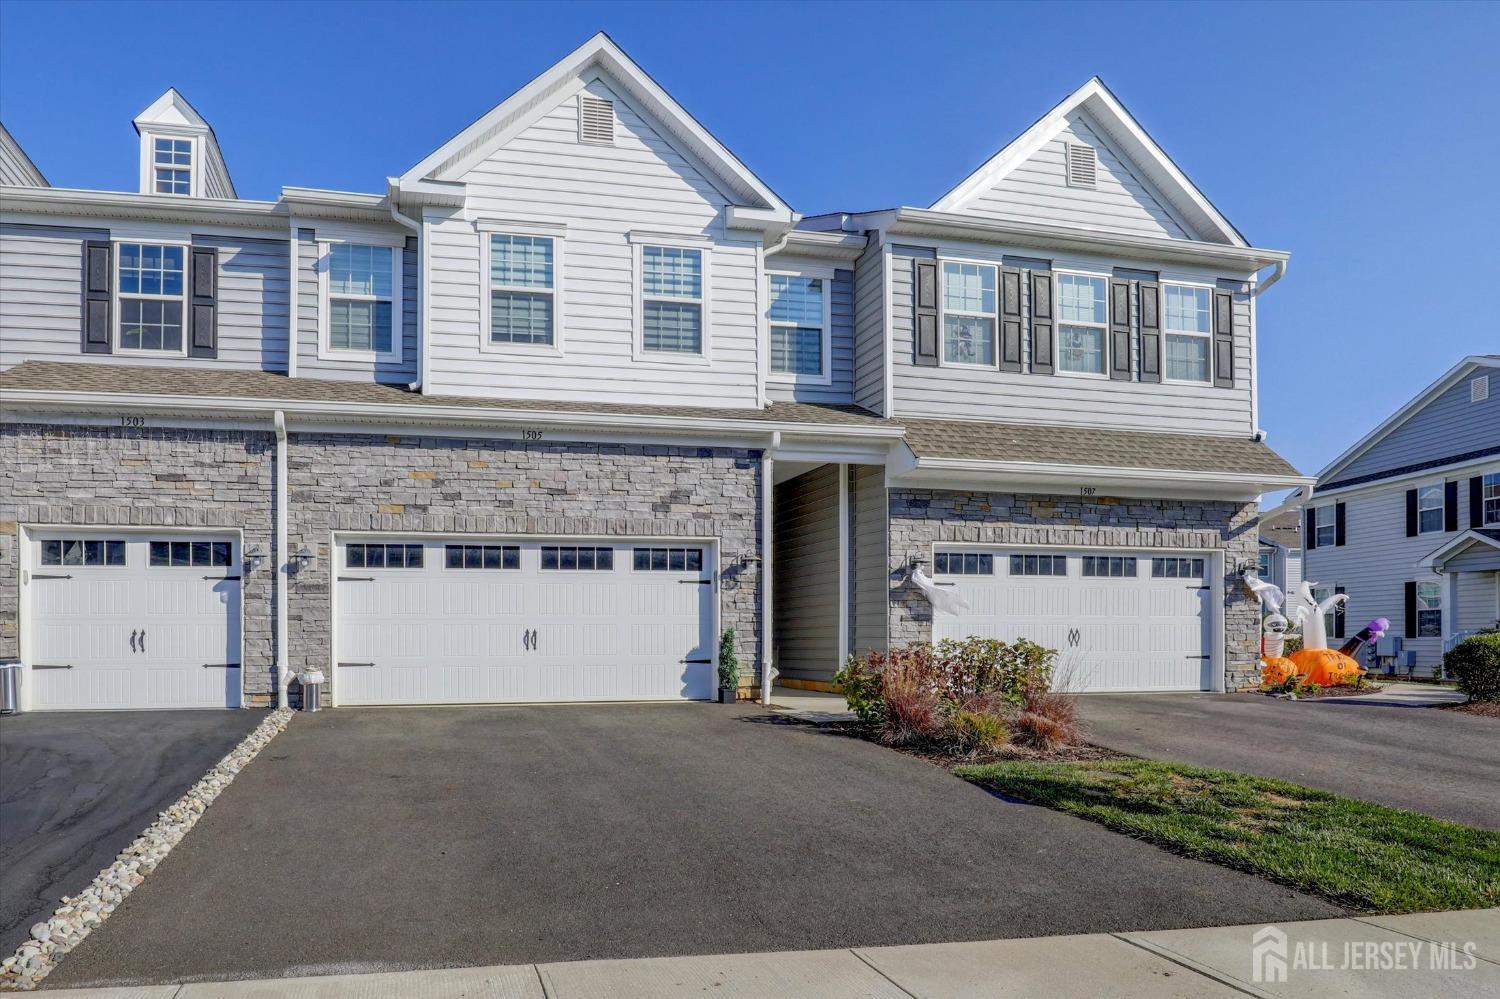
(1276, 671)
(1326, 667)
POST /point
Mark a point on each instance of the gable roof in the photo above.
(1481, 536)
(456, 156)
(1121, 128)
(13, 160)
(172, 110)
(1284, 529)
(1450, 378)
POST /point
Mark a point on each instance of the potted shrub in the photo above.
(729, 668)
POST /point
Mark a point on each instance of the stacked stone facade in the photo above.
(921, 517)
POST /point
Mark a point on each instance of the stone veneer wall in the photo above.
(921, 517)
(167, 477)
(355, 482)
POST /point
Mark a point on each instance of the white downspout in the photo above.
(293, 313)
(406, 220)
(1276, 275)
(282, 562)
(763, 306)
(768, 493)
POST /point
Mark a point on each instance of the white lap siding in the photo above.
(870, 572)
(807, 575)
(309, 303)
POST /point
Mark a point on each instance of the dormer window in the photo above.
(172, 163)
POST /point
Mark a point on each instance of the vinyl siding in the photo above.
(15, 169)
(807, 575)
(1023, 397)
(41, 288)
(869, 358)
(841, 345)
(869, 576)
(1448, 425)
(310, 365)
(1037, 191)
(1478, 600)
(602, 194)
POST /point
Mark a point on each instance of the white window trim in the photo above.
(327, 352)
(1484, 488)
(791, 377)
(148, 163)
(486, 319)
(638, 278)
(1058, 324)
(1440, 609)
(1207, 338)
(1442, 507)
(118, 316)
(1332, 525)
(943, 313)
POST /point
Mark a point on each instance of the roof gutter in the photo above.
(1276, 275)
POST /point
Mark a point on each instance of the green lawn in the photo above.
(1360, 855)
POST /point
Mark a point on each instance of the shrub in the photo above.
(1048, 720)
(1293, 644)
(987, 665)
(1309, 690)
(729, 659)
(971, 730)
(913, 711)
(1475, 664)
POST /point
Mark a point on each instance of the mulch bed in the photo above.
(948, 758)
(1486, 709)
(1331, 692)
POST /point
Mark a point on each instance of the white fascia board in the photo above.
(821, 245)
(1436, 558)
(1117, 481)
(1444, 383)
(759, 219)
(157, 207)
(1403, 480)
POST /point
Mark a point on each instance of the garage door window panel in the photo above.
(83, 552)
(483, 556)
(189, 554)
(383, 556)
(1109, 566)
(668, 560)
(1177, 568)
(964, 563)
(1038, 565)
(577, 558)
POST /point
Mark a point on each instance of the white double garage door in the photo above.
(124, 620)
(1120, 620)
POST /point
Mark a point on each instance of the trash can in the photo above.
(312, 689)
(10, 688)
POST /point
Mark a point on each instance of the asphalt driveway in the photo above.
(1443, 763)
(387, 839)
(76, 787)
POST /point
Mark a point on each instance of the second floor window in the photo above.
(799, 327)
(152, 284)
(969, 303)
(172, 163)
(1188, 330)
(1430, 508)
(671, 300)
(1081, 330)
(362, 299)
(1491, 499)
(1325, 527)
(523, 290)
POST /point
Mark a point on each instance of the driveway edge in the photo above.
(79, 914)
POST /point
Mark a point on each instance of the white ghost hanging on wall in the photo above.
(945, 600)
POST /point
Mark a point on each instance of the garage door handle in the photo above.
(696, 582)
(222, 577)
(342, 665)
(51, 665)
(357, 579)
(50, 575)
(703, 661)
(1198, 657)
(221, 665)
(132, 641)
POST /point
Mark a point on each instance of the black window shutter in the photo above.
(1010, 319)
(1450, 505)
(1476, 501)
(1411, 513)
(1119, 331)
(203, 338)
(1223, 339)
(1310, 531)
(1150, 332)
(1042, 340)
(98, 281)
(925, 320)
(1411, 611)
(1338, 525)
(1338, 615)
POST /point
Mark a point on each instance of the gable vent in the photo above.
(596, 120)
(1479, 389)
(1082, 165)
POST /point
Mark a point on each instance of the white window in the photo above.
(1082, 319)
(1189, 327)
(1263, 568)
(969, 303)
(172, 166)
(361, 314)
(1490, 497)
(152, 283)
(1430, 508)
(799, 318)
(1429, 610)
(672, 299)
(523, 272)
(1325, 527)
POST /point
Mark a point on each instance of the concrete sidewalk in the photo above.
(1451, 954)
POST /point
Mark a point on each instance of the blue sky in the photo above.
(1363, 138)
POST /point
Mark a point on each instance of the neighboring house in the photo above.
(1281, 550)
(1407, 521)
(579, 391)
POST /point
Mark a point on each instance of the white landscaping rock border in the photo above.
(80, 914)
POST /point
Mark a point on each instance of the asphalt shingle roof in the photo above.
(1284, 529)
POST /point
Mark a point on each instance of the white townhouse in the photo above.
(578, 392)
(1407, 520)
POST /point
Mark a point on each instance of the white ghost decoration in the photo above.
(945, 600)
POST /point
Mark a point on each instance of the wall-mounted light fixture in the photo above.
(300, 559)
(253, 558)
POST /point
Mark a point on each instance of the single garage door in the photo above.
(1120, 621)
(121, 620)
(460, 620)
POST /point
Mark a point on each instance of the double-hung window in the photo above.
(1082, 324)
(1429, 610)
(969, 304)
(1325, 526)
(1189, 327)
(1430, 508)
(672, 283)
(362, 301)
(172, 166)
(799, 319)
(523, 271)
(1490, 497)
(152, 284)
